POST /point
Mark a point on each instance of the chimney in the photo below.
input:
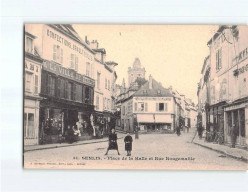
(170, 89)
(150, 82)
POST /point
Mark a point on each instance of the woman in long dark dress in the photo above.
(128, 144)
(112, 142)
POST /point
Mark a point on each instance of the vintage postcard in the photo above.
(150, 97)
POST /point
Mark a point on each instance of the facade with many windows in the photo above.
(67, 81)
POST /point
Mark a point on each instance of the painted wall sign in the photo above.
(31, 67)
(241, 56)
(68, 73)
(154, 98)
(68, 43)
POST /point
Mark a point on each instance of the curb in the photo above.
(227, 154)
(77, 144)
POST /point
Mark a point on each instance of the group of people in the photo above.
(128, 142)
(71, 134)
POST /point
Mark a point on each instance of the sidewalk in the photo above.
(57, 145)
(237, 153)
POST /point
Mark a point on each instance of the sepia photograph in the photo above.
(139, 97)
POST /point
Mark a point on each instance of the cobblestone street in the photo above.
(166, 151)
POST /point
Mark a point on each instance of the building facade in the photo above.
(67, 81)
(226, 86)
(32, 80)
(151, 108)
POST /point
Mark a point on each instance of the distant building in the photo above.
(137, 71)
(151, 107)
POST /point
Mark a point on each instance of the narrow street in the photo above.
(166, 151)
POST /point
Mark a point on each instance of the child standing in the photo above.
(128, 144)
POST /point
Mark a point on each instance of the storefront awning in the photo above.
(154, 118)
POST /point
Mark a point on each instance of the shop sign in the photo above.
(154, 98)
(31, 67)
(241, 56)
(240, 70)
(68, 73)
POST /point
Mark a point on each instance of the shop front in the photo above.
(155, 122)
(236, 120)
(215, 124)
(67, 104)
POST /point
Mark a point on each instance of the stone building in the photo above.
(137, 71)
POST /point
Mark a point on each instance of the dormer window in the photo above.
(29, 44)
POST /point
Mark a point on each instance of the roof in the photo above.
(102, 50)
(144, 91)
(220, 30)
(111, 63)
(204, 64)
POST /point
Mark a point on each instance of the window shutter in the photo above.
(54, 52)
(76, 63)
(135, 107)
(58, 52)
(157, 107)
(165, 107)
(220, 55)
(72, 60)
(146, 107)
(61, 56)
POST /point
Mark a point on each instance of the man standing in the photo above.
(113, 142)
(234, 134)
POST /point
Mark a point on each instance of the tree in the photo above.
(140, 81)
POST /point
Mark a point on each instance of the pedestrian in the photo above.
(234, 134)
(70, 134)
(178, 131)
(137, 132)
(200, 130)
(128, 144)
(112, 142)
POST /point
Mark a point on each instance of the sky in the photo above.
(172, 54)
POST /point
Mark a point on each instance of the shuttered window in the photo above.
(146, 107)
(135, 107)
(36, 84)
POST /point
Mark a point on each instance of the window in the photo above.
(29, 45)
(28, 81)
(76, 63)
(103, 103)
(88, 69)
(66, 90)
(219, 59)
(61, 56)
(62, 88)
(29, 125)
(87, 95)
(69, 92)
(36, 84)
(97, 102)
(72, 61)
(106, 83)
(51, 85)
(161, 107)
(73, 91)
(57, 54)
(78, 93)
(141, 106)
(98, 80)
